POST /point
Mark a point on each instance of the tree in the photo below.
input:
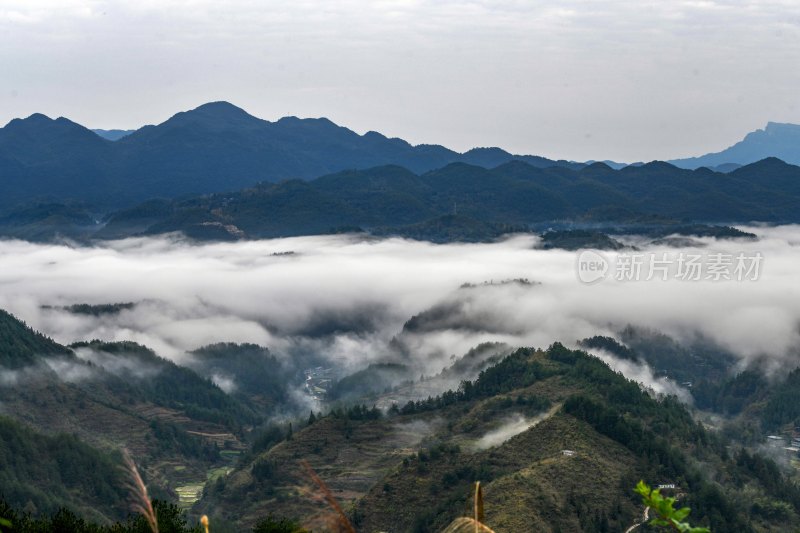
(271, 524)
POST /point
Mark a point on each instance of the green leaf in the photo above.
(666, 514)
(680, 514)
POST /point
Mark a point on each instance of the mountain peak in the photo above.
(38, 117)
(41, 128)
(780, 125)
(219, 107)
(658, 165)
(768, 163)
(490, 150)
(488, 157)
(598, 165)
(777, 139)
(214, 115)
(777, 130)
(33, 120)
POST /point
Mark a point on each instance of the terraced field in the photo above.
(189, 493)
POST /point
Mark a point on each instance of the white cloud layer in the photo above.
(344, 300)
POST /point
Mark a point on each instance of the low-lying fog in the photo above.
(345, 299)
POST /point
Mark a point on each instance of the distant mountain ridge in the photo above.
(469, 203)
(113, 135)
(775, 140)
(458, 202)
(213, 148)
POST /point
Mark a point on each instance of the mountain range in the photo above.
(219, 147)
(458, 202)
(216, 147)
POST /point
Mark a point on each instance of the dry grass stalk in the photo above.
(472, 524)
(140, 501)
(466, 524)
(478, 504)
(341, 518)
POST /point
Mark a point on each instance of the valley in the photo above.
(444, 393)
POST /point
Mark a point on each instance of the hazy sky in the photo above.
(621, 79)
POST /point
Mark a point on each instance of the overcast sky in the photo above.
(625, 80)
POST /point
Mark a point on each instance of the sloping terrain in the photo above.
(40, 474)
(121, 395)
(557, 439)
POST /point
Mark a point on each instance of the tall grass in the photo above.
(474, 523)
(139, 499)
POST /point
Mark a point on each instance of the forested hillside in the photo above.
(40, 474)
(176, 422)
(556, 437)
(457, 201)
(463, 202)
(587, 435)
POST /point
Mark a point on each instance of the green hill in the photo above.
(40, 474)
(21, 346)
(255, 376)
(557, 439)
(113, 395)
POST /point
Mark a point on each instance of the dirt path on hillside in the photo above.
(645, 518)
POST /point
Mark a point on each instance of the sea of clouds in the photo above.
(345, 299)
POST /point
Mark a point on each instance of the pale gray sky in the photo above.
(621, 79)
